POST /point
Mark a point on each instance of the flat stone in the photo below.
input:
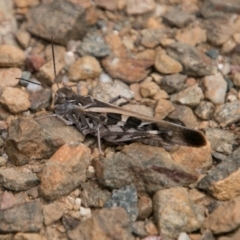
(224, 212)
(148, 168)
(190, 96)
(195, 63)
(106, 91)
(14, 180)
(185, 215)
(95, 228)
(173, 83)
(139, 7)
(12, 103)
(64, 171)
(27, 140)
(221, 140)
(216, 88)
(8, 77)
(26, 217)
(126, 198)
(11, 56)
(129, 70)
(67, 20)
(228, 113)
(167, 65)
(57, 129)
(84, 68)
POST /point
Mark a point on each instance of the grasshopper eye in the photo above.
(60, 98)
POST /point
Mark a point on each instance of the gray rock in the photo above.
(219, 8)
(64, 171)
(213, 53)
(92, 195)
(59, 130)
(148, 168)
(204, 110)
(184, 115)
(144, 207)
(219, 156)
(207, 235)
(126, 198)
(216, 88)
(52, 212)
(194, 63)
(221, 140)
(27, 140)
(185, 215)
(228, 113)
(40, 99)
(138, 229)
(190, 96)
(3, 161)
(14, 180)
(61, 19)
(152, 37)
(26, 217)
(107, 91)
(69, 222)
(8, 25)
(94, 45)
(178, 18)
(221, 171)
(105, 224)
(173, 83)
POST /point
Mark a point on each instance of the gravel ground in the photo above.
(176, 60)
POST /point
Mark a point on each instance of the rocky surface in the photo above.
(174, 60)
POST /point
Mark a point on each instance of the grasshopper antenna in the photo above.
(39, 84)
(54, 62)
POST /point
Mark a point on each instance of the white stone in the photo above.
(216, 88)
(183, 236)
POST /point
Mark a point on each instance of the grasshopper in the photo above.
(115, 124)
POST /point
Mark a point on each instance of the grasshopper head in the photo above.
(63, 94)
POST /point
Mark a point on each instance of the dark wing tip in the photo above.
(194, 138)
